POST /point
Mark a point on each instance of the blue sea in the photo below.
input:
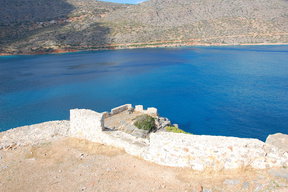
(231, 91)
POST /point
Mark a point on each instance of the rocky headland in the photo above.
(86, 153)
(39, 27)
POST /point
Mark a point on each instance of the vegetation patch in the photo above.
(145, 122)
(175, 130)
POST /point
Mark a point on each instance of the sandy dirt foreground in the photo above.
(78, 165)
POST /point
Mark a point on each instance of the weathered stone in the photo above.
(283, 173)
(139, 133)
(231, 182)
(120, 109)
(258, 187)
(106, 114)
(152, 111)
(210, 152)
(34, 134)
(278, 140)
(85, 124)
(162, 122)
(245, 185)
(139, 108)
(198, 152)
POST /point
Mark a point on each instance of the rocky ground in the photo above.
(67, 164)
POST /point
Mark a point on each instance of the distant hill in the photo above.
(33, 26)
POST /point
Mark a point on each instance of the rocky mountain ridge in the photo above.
(65, 25)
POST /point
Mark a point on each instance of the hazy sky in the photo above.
(125, 1)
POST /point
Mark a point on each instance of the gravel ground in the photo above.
(67, 164)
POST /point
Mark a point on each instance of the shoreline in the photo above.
(138, 46)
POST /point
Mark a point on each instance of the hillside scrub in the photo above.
(175, 129)
(145, 122)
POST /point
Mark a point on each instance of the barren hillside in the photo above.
(44, 26)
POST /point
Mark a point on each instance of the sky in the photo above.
(125, 1)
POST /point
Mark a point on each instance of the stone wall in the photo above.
(198, 152)
(85, 124)
(88, 124)
(34, 134)
(120, 109)
(117, 110)
(150, 110)
(213, 152)
(180, 150)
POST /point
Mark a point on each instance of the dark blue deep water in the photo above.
(233, 91)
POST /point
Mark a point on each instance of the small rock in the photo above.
(231, 182)
(245, 185)
(200, 188)
(3, 167)
(258, 187)
(283, 173)
(207, 190)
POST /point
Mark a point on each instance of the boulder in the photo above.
(278, 140)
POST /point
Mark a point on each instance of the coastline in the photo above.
(137, 46)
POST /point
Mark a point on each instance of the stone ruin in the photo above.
(198, 152)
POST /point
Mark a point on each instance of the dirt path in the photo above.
(79, 165)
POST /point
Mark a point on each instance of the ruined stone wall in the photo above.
(85, 124)
(88, 124)
(213, 152)
(150, 110)
(198, 152)
(180, 150)
(117, 110)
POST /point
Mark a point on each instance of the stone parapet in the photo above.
(150, 110)
(120, 109)
(212, 152)
(198, 152)
(85, 124)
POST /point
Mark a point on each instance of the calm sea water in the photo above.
(230, 91)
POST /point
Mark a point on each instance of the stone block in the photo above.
(120, 109)
(278, 140)
(86, 124)
(152, 111)
(106, 114)
(139, 108)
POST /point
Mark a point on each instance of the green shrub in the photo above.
(175, 130)
(145, 122)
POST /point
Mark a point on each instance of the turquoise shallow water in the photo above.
(233, 91)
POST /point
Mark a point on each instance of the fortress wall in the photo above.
(198, 152)
(120, 109)
(179, 150)
(212, 152)
(88, 124)
(150, 110)
(117, 110)
(138, 108)
(85, 124)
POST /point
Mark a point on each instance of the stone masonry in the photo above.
(198, 152)
(180, 150)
